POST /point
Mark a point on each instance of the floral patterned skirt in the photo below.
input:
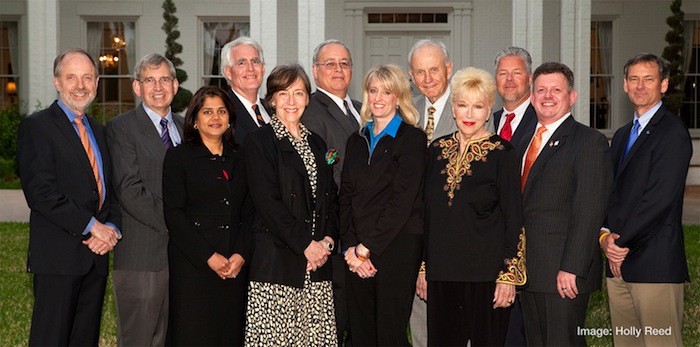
(280, 315)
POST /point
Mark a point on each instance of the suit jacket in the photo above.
(284, 206)
(647, 199)
(381, 195)
(325, 118)
(564, 205)
(138, 154)
(61, 192)
(445, 126)
(244, 123)
(527, 126)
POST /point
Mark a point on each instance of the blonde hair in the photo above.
(473, 80)
(391, 77)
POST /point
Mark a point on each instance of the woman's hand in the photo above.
(235, 264)
(366, 269)
(218, 263)
(504, 295)
(422, 286)
(351, 259)
(316, 255)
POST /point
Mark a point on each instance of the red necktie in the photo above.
(507, 131)
(90, 154)
(532, 152)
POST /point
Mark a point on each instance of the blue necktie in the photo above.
(633, 137)
(165, 135)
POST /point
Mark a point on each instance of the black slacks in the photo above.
(463, 311)
(67, 309)
(553, 321)
(379, 307)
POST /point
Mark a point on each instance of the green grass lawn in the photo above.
(16, 294)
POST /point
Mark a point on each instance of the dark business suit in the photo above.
(526, 126)
(516, 326)
(62, 194)
(244, 123)
(323, 117)
(141, 299)
(647, 203)
(206, 213)
(564, 204)
(381, 207)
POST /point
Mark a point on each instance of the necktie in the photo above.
(507, 131)
(430, 126)
(91, 156)
(532, 154)
(348, 113)
(258, 116)
(165, 135)
(633, 137)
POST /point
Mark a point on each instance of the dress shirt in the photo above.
(338, 101)
(439, 106)
(172, 128)
(249, 107)
(646, 117)
(98, 157)
(519, 114)
(389, 130)
(551, 128)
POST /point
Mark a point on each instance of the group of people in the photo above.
(312, 219)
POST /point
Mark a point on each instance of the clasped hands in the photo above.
(102, 238)
(317, 253)
(615, 254)
(363, 268)
(226, 267)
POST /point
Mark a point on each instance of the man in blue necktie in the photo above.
(643, 235)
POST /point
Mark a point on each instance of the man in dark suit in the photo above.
(333, 115)
(430, 70)
(566, 182)
(517, 118)
(643, 237)
(66, 176)
(137, 142)
(243, 65)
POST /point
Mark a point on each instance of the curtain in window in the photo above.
(94, 39)
(130, 38)
(13, 37)
(605, 43)
(689, 31)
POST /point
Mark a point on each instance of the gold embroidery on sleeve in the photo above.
(516, 270)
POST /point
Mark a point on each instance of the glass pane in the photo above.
(112, 45)
(216, 35)
(9, 63)
(600, 102)
(114, 96)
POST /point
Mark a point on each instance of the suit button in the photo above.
(225, 201)
(197, 224)
(223, 227)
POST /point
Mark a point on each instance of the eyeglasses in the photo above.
(150, 81)
(331, 65)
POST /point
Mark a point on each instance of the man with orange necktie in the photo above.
(567, 178)
(65, 171)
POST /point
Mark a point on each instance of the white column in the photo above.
(576, 51)
(354, 34)
(462, 35)
(311, 30)
(263, 29)
(527, 28)
(42, 49)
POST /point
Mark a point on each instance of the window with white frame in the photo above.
(215, 36)
(690, 111)
(601, 74)
(9, 64)
(112, 45)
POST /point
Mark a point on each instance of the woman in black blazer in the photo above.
(208, 212)
(473, 216)
(380, 207)
(290, 297)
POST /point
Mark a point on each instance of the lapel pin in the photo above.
(648, 132)
(553, 143)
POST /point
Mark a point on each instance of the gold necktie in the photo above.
(430, 127)
(91, 156)
(531, 155)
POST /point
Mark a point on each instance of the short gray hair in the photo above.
(427, 42)
(152, 61)
(226, 51)
(515, 52)
(318, 48)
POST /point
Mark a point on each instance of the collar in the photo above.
(248, 105)
(391, 129)
(71, 115)
(439, 103)
(519, 111)
(338, 101)
(155, 117)
(281, 130)
(646, 117)
(551, 128)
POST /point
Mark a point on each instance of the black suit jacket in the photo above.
(527, 126)
(284, 206)
(325, 118)
(564, 205)
(61, 192)
(244, 123)
(647, 199)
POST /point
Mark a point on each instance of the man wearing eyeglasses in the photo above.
(243, 65)
(138, 140)
(333, 115)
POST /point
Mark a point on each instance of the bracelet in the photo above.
(362, 258)
(603, 234)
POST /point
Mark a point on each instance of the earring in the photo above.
(229, 126)
(195, 127)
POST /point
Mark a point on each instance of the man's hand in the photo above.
(612, 251)
(97, 246)
(566, 285)
(104, 233)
